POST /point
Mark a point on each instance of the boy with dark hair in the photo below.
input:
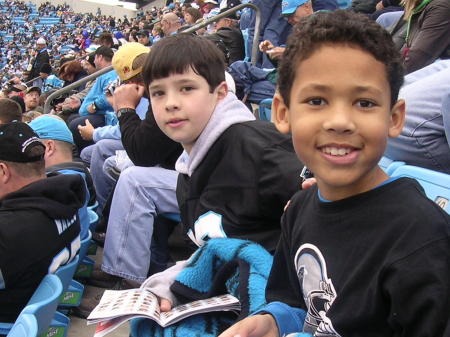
(361, 254)
(229, 183)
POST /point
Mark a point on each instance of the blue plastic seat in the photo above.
(265, 109)
(436, 184)
(172, 216)
(86, 264)
(39, 313)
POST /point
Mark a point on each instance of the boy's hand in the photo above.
(127, 96)
(255, 326)
(164, 304)
(87, 131)
(308, 183)
(265, 46)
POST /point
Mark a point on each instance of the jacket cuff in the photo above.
(288, 319)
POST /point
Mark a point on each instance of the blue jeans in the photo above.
(425, 138)
(96, 156)
(141, 193)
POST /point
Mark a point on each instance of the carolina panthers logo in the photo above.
(318, 290)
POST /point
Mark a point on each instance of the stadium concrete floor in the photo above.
(78, 326)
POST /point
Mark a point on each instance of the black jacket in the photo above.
(145, 143)
(234, 41)
(41, 58)
(37, 223)
(246, 177)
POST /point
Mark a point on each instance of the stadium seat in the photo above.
(436, 184)
(172, 216)
(39, 313)
(389, 165)
(86, 264)
(264, 109)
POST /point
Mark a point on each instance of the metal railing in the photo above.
(192, 29)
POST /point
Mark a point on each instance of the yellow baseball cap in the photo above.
(123, 59)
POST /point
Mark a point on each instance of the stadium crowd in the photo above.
(169, 135)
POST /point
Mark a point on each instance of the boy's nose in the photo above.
(172, 102)
(339, 120)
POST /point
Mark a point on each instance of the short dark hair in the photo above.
(175, 54)
(31, 169)
(10, 110)
(106, 52)
(339, 27)
(106, 37)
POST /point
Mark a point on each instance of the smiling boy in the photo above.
(360, 254)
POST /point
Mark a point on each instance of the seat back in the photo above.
(436, 184)
(265, 109)
(42, 306)
(26, 325)
(85, 243)
(66, 272)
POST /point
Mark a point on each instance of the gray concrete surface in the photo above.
(78, 326)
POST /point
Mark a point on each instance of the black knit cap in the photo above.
(16, 141)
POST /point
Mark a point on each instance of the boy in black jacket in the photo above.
(236, 174)
(361, 254)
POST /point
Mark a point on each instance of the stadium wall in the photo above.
(155, 3)
(81, 6)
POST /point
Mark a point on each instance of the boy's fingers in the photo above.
(165, 305)
(87, 123)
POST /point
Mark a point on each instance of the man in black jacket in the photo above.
(39, 227)
(40, 59)
(227, 31)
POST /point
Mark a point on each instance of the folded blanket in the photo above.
(233, 266)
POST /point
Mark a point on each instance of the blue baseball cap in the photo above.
(47, 127)
(288, 7)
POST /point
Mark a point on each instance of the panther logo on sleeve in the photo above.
(318, 290)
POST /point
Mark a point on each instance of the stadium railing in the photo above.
(194, 28)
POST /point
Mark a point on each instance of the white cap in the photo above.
(214, 2)
(41, 40)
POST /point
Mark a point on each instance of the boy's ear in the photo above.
(280, 114)
(222, 90)
(397, 119)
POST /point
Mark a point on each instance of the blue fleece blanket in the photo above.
(233, 266)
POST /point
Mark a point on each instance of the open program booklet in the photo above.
(119, 306)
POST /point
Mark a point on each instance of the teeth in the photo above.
(334, 151)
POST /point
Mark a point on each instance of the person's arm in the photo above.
(145, 143)
(432, 38)
(446, 116)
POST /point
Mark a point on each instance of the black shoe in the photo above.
(125, 284)
(99, 238)
(103, 280)
(86, 306)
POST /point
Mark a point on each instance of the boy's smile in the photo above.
(183, 104)
(340, 118)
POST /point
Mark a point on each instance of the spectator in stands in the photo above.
(191, 15)
(57, 138)
(41, 57)
(425, 138)
(49, 80)
(9, 111)
(348, 245)
(127, 62)
(31, 99)
(71, 72)
(427, 34)
(21, 102)
(143, 37)
(191, 105)
(227, 31)
(170, 23)
(39, 228)
(95, 106)
(106, 39)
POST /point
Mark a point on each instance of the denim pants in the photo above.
(96, 155)
(425, 138)
(141, 194)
